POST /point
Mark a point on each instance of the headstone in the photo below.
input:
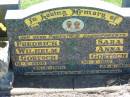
(66, 38)
(5, 76)
(121, 3)
(126, 3)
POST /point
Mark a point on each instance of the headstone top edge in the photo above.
(20, 14)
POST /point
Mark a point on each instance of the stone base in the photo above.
(72, 82)
(7, 81)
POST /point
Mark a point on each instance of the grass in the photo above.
(116, 2)
(26, 3)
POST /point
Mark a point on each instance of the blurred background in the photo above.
(27, 3)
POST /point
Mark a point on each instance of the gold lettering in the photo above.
(37, 43)
(115, 66)
(80, 36)
(37, 19)
(96, 62)
(109, 41)
(25, 64)
(109, 48)
(58, 13)
(37, 57)
(49, 68)
(108, 55)
(37, 50)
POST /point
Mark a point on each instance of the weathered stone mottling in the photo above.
(4, 57)
(6, 77)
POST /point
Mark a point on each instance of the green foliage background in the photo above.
(27, 3)
(117, 2)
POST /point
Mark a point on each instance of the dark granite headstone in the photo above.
(70, 38)
(6, 77)
(126, 3)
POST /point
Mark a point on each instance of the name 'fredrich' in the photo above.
(37, 43)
